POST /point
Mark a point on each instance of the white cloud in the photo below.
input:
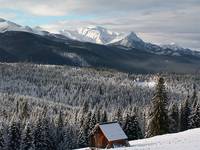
(38, 7)
(103, 7)
(7, 15)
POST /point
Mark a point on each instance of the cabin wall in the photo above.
(98, 140)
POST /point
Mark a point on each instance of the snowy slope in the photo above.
(177, 49)
(6, 25)
(172, 46)
(94, 34)
(131, 40)
(188, 140)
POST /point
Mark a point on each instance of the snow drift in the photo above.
(188, 140)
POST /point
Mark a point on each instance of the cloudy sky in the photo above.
(157, 21)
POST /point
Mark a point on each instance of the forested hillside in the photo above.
(56, 107)
(16, 46)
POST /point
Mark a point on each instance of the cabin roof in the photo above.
(113, 131)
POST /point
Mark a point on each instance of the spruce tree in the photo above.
(82, 138)
(104, 117)
(132, 128)
(119, 116)
(84, 112)
(93, 122)
(24, 113)
(48, 141)
(69, 142)
(2, 141)
(184, 115)
(195, 118)
(158, 122)
(173, 118)
(38, 136)
(84, 131)
(60, 132)
(98, 115)
(59, 120)
(27, 138)
(14, 136)
(194, 98)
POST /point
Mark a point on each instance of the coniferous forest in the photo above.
(46, 107)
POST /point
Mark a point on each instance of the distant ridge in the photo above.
(129, 54)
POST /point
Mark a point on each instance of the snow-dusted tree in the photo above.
(27, 138)
(2, 141)
(14, 136)
(60, 132)
(132, 128)
(82, 138)
(158, 122)
(84, 131)
(83, 112)
(119, 116)
(59, 120)
(98, 115)
(85, 107)
(23, 110)
(194, 119)
(70, 143)
(184, 115)
(93, 122)
(173, 118)
(194, 98)
(48, 142)
(104, 117)
(38, 136)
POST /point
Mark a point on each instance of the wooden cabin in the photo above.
(108, 135)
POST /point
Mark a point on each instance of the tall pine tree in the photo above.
(173, 118)
(158, 122)
(132, 128)
(184, 115)
(195, 118)
(14, 136)
(27, 138)
(2, 141)
(84, 131)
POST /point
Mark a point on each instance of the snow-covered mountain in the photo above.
(188, 140)
(172, 46)
(94, 34)
(177, 49)
(100, 35)
(128, 41)
(6, 25)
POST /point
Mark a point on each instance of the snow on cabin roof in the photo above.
(113, 131)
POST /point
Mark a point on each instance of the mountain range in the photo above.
(93, 46)
(100, 35)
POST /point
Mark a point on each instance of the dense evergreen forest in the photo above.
(56, 107)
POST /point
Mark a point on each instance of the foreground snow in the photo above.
(188, 140)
